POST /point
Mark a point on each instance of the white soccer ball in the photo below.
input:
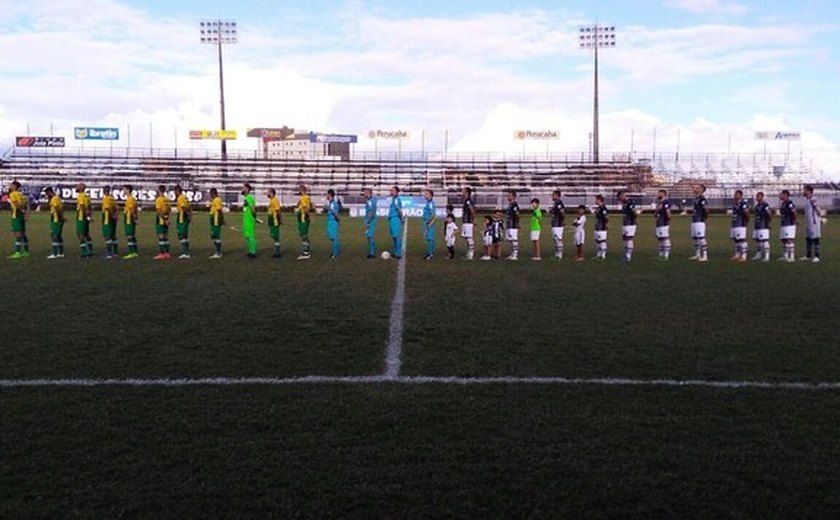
(385, 255)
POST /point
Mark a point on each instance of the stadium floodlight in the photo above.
(220, 33)
(594, 38)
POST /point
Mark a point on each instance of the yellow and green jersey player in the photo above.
(217, 221)
(109, 222)
(56, 223)
(19, 206)
(275, 220)
(163, 209)
(182, 205)
(131, 212)
(303, 211)
(84, 210)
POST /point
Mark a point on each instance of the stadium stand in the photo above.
(490, 178)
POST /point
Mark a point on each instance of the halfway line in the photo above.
(393, 359)
(445, 381)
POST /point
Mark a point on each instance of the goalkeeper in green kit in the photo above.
(249, 220)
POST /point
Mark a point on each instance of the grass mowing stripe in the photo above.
(420, 380)
(393, 361)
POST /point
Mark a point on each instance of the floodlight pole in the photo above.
(594, 37)
(220, 33)
(596, 113)
(222, 95)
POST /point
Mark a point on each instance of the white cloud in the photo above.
(716, 7)
(479, 76)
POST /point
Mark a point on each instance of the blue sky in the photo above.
(481, 69)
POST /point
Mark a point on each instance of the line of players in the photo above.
(111, 214)
(501, 223)
(740, 217)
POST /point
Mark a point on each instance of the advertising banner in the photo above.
(214, 135)
(68, 194)
(778, 136)
(389, 135)
(96, 134)
(539, 135)
(412, 207)
(39, 142)
(333, 138)
(270, 133)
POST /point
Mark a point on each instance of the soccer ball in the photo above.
(385, 255)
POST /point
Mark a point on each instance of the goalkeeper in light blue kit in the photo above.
(429, 218)
(395, 221)
(370, 221)
(333, 208)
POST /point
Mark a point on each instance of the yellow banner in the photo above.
(217, 135)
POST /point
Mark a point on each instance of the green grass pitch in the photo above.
(390, 450)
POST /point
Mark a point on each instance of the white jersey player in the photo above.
(512, 225)
(787, 231)
(813, 226)
(558, 222)
(580, 231)
(698, 225)
(761, 235)
(738, 233)
(662, 215)
(629, 216)
(602, 219)
(468, 222)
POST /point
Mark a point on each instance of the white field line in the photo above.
(443, 381)
(393, 357)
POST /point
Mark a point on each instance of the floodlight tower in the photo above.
(596, 37)
(220, 33)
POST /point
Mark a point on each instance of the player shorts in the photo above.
(698, 230)
(488, 240)
(535, 236)
(109, 231)
(600, 236)
(130, 229)
(274, 232)
(761, 234)
(580, 237)
(18, 225)
(395, 227)
(467, 230)
(787, 232)
(370, 230)
(738, 233)
(303, 228)
(56, 229)
(513, 234)
(663, 232)
(629, 231)
(557, 233)
(332, 230)
(82, 227)
(215, 232)
(161, 229)
(428, 231)
(184, 229)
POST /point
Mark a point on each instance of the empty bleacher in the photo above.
(489, 178)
